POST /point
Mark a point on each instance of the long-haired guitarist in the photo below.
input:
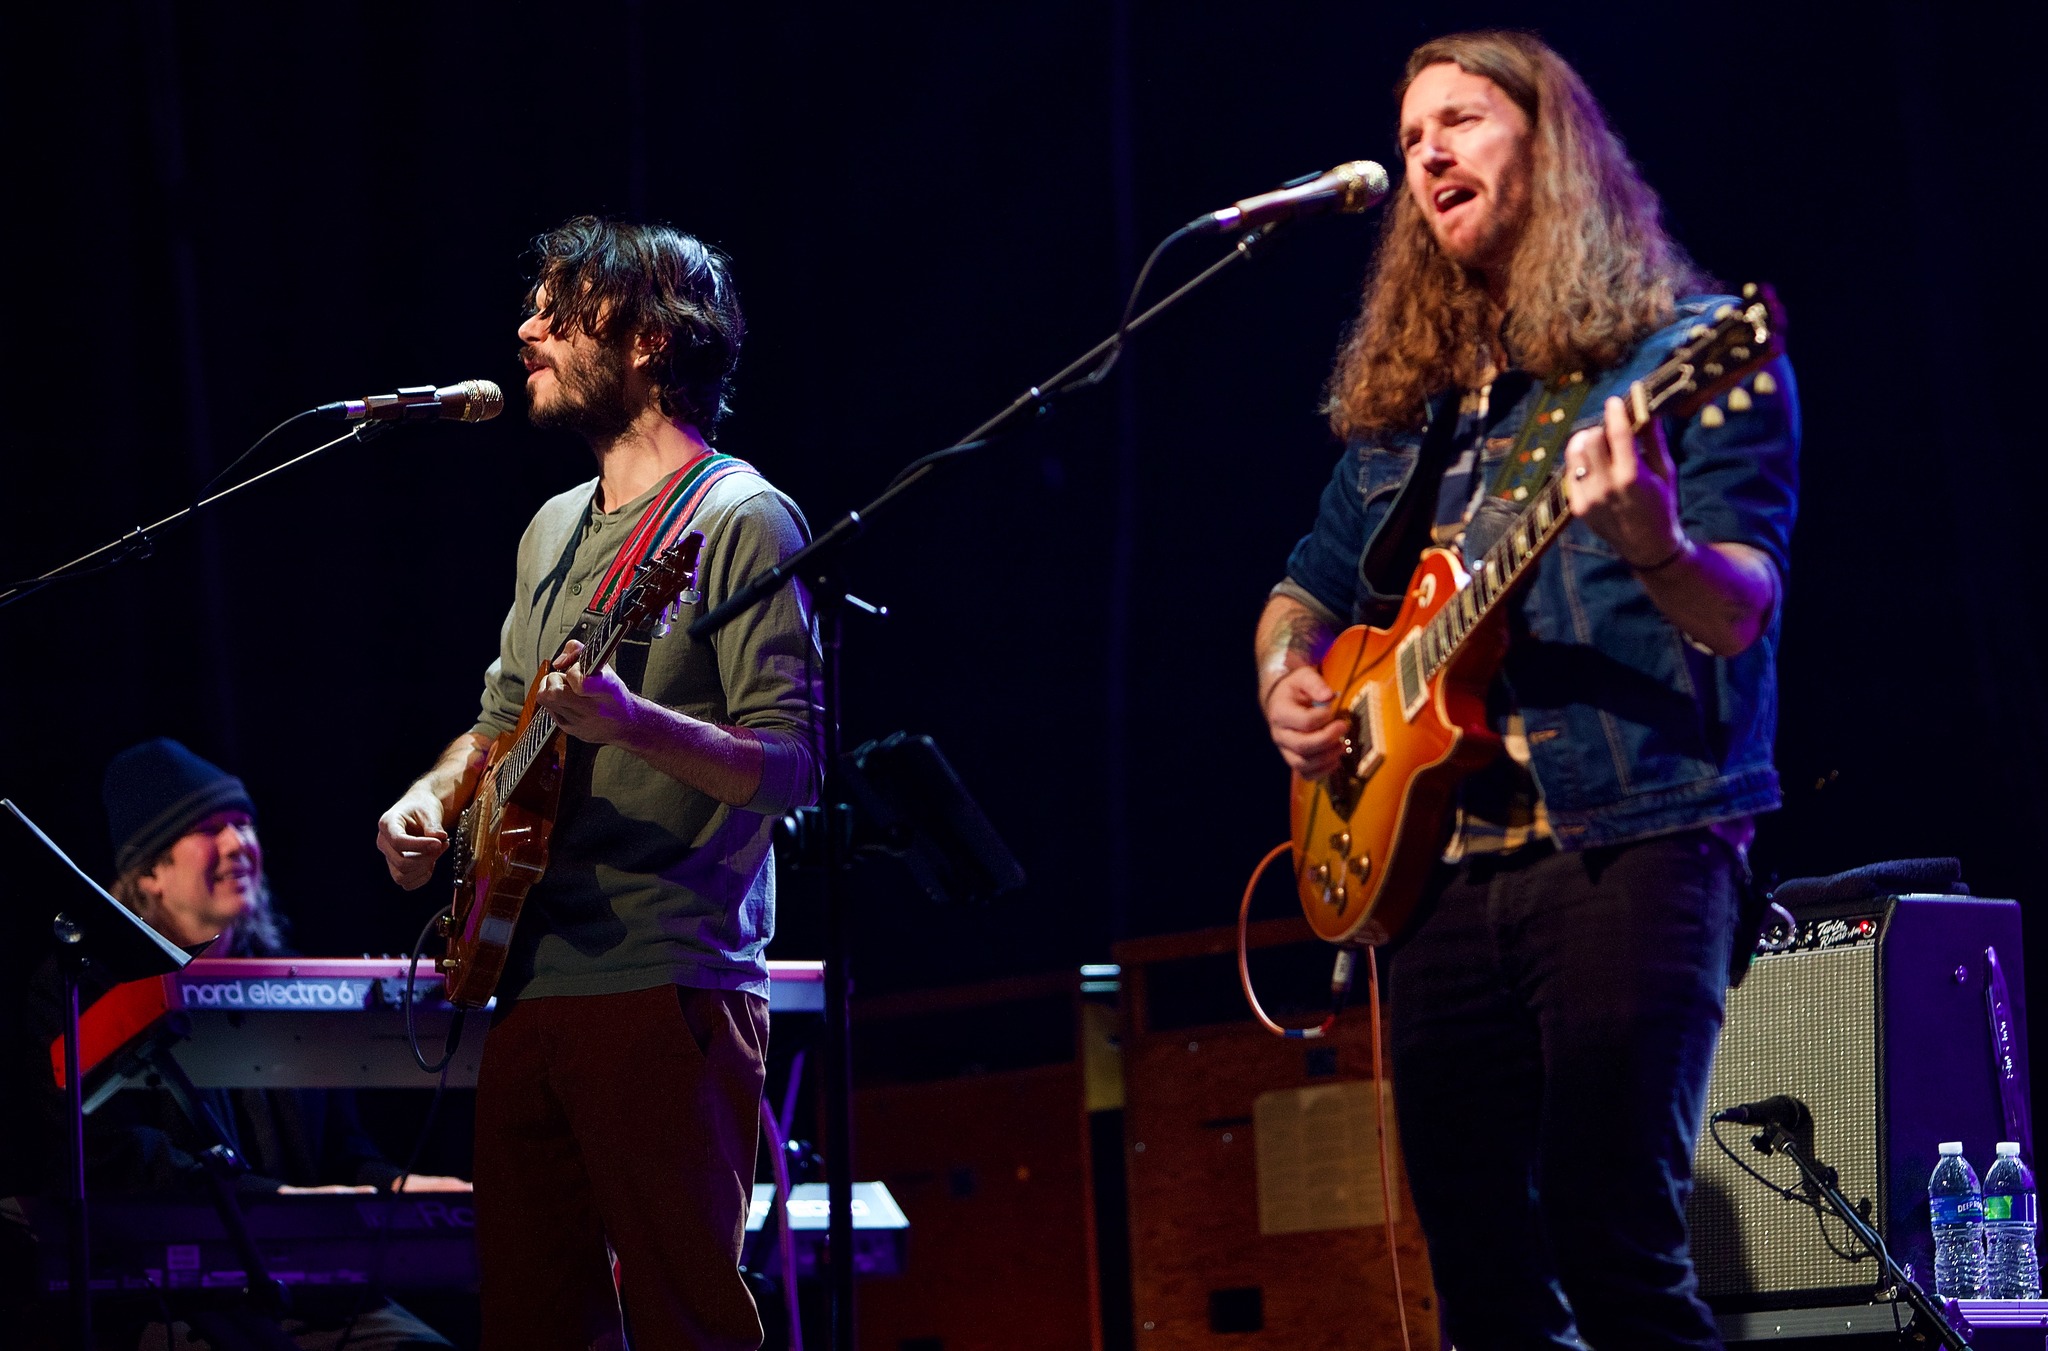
(617, 1097)
(1556, 995)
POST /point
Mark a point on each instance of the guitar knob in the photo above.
(1343, 896)
(1341, 842)
(1321, 873)
(1360, 866)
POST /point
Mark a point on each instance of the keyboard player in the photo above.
(188, 861)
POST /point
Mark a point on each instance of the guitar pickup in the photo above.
(1362, 750)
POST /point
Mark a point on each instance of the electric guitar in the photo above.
(501, 839)
(1414, 693)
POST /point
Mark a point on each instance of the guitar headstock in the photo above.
(1716, 358)
(661, 584)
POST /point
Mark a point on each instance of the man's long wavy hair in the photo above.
(1592, 275)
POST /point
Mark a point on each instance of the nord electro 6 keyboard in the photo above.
(304, 1022)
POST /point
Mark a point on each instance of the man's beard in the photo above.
(590, 396)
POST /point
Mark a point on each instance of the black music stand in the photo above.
(908, 802)
(91, 926)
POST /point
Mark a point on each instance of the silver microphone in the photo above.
(1356, 186)
(470, 401)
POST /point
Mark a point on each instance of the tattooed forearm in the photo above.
(1289, 635)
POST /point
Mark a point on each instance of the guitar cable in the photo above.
(412, 1035)
(1340, 975)
(1340, 988)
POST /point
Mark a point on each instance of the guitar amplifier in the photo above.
(1878, 1015)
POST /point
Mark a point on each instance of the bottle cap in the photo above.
(2008, 1149)
(1950, 1146)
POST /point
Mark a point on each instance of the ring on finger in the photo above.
(1579, 471)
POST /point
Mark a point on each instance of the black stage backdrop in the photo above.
(226, 213)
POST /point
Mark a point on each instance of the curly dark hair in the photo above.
(615, 280)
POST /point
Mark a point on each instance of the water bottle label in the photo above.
(2019, 1208)
(1956, 1209)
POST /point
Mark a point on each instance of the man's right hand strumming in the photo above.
(414, 833)
(1299, 704)
(1302, 717)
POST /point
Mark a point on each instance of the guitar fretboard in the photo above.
(542, 728)
(1539, 523)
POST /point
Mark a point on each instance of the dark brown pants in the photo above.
(625, 1119)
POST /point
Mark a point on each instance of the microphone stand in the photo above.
(140, 542)
(1821, 1182)
(811, 563)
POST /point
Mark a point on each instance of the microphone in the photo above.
(1356, 186)
(1780, 1109)
(470, 401)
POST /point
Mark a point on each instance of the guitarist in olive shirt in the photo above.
(616, 1103)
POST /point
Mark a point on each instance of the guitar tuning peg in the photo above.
(1764, 384)
(1738, 400)
(1724, 311)
(1749, 290)
(1712, 416)
(664, 625)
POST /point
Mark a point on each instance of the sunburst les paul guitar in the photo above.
(501, 840)
(1414, 693)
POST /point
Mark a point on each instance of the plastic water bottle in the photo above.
(2009, 1223)
(1955, 1206)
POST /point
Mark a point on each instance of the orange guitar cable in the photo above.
(1372, 985)
(1340, 983)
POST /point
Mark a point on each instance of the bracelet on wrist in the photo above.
(1685, 546)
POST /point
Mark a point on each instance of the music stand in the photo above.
(89, 926)
(909, 802)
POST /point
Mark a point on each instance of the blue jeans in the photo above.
(1553, 1022)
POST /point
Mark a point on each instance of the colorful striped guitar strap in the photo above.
(664, 521)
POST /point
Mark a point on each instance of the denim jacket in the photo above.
(1633, 729)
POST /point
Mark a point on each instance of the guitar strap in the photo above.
(1534, 456)
(1391, 554)
(664, 521)
(1539, 447)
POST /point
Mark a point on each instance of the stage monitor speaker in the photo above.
(1876, 1015)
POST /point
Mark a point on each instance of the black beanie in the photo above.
(157, 791)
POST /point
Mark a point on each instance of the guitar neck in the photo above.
(1515, 554)
(541, 728)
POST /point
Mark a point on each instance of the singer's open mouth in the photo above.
(1449, 198)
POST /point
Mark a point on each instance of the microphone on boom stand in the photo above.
(1781, 1109)
(470, 401)
(1356, 186)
